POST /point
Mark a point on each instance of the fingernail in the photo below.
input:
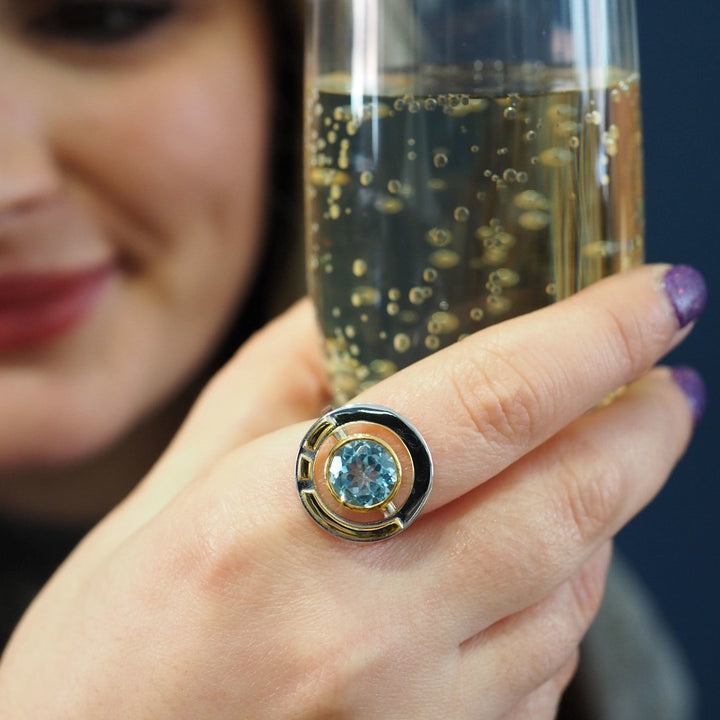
(693, 386)
(686, 289)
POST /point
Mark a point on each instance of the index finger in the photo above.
(502, 392)
(505, 390)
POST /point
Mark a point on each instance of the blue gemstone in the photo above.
(363, 473)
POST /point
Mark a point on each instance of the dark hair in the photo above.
(281, 260)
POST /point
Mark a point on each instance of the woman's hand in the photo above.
(210, 593)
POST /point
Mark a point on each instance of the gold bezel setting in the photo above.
(360, 437)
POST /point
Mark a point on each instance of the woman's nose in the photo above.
(29, 175)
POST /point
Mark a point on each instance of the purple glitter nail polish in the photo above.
(686, 289)
(693, 386)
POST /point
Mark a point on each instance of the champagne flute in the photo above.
(465, 161)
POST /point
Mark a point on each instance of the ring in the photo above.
(363, 472)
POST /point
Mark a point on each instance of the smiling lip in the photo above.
(36, 308)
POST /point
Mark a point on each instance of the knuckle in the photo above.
(500, 397)
(216, 555)
(634, 342)
(587, 587)
(547, 688)
(626, 342)
(591, 494)
(204, 561)
(566, 619)
(567, 672)
(322, 690)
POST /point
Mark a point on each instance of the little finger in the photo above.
(529, 529)
(526, 650)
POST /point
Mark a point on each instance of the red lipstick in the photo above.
(36, 308)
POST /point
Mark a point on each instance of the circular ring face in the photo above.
(363, 472)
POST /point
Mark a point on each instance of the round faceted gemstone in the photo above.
(362, 473)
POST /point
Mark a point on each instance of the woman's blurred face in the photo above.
(133, 137)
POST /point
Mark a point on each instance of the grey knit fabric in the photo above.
(634, 668)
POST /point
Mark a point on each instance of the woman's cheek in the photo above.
(188, 185)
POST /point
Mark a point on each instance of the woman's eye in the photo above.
(98, 22)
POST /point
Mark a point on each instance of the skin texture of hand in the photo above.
(209, 593)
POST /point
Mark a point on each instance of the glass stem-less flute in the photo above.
(466, 161)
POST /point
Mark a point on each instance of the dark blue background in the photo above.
(675, 543)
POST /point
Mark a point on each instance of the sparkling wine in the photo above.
(434, 213)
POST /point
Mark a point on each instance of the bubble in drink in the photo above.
(461, 214)
(389, 205)
(364, 296)
(439, 237)
(383, 368)
(445, 259)
(359, 267)
(442, 323)
(324, 177)
(437, 184)
(555, 157)
(534, 220)
(416, 295)
(401, 343)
